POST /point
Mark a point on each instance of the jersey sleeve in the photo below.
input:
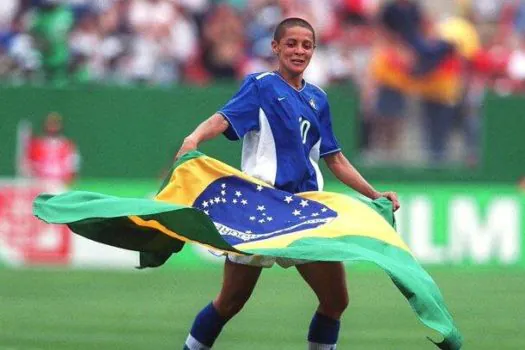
(329, 142)
(242, 110)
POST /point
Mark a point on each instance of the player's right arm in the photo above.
(207, 130)
(237, 117)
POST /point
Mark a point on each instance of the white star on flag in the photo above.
(205, 204)
(252, 218)
(223, 192)
(234, 201)
(262, 221)
(238, 193)
(223, 185)
(217, 199)
(223, 200)
(296, 212)
(269, 218)
(315, 214)
(259, 188)
(304, 203)
(288, 199)
(210, 201)
(206, 212)
(261, 208)
(244, 202)
(324, 210)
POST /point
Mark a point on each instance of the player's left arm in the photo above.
(341, 167)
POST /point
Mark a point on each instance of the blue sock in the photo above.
(205, 329)
(323, 330)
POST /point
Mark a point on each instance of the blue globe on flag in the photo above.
(259, 212)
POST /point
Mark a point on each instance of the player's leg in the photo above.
(328, 281)
(238, 284)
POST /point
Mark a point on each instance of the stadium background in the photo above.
(463, 221)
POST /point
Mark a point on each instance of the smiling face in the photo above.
(294, 50)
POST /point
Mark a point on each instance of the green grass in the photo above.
(57, 309)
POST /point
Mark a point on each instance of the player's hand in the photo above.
(392, 196)
(188, 145)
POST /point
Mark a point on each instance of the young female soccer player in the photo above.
(285, 125)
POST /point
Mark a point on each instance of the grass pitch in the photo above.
(60, 309)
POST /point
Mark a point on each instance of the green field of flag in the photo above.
(132, 310)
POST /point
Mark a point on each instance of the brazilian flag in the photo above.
(207, 202)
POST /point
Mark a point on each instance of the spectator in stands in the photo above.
(85, 43)
(388, 65)
(20, 46)
(117, 36)
(150, 21)
(440, 90)
(223, 43)
(183, 38)
(405, 19)
(166, 41)
(348, 57)
(50, 29)
(261, 18)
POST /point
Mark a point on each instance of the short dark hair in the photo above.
(289, 23)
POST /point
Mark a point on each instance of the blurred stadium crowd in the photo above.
(168, 42)
(161, 41)
(198, 41)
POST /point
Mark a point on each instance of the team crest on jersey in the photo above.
(312, 103)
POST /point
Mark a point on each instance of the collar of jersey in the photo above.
(290, 85)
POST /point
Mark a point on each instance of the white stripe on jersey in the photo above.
(330, 152)
(259, 155)
(260, 76)
(314, 159)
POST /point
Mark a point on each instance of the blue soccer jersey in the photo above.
(285, 131)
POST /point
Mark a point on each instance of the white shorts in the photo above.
(265, 261)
